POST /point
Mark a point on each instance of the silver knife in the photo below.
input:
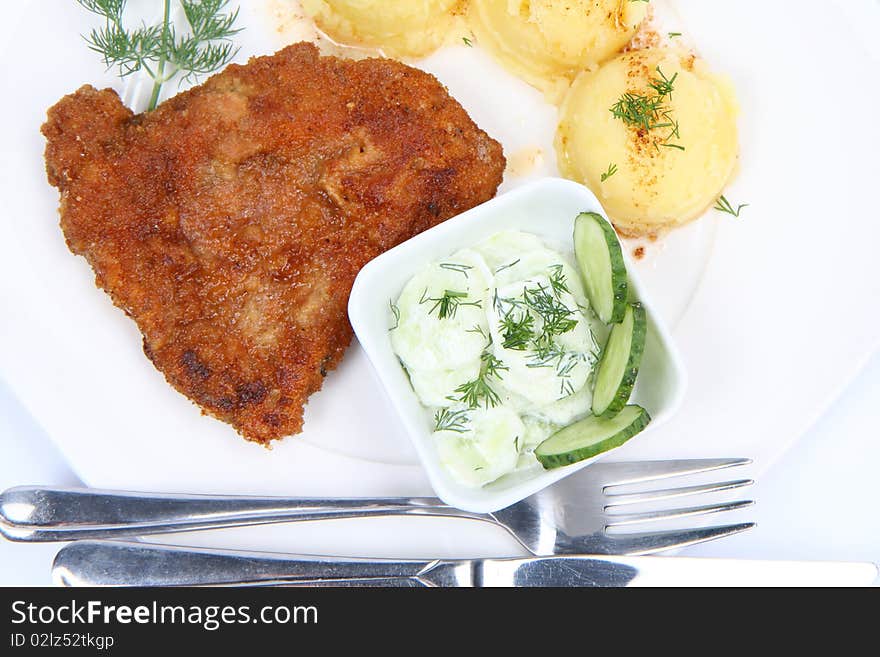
(118, 563)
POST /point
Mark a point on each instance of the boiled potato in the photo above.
(547, 42)
(656, 185)
(401, 28)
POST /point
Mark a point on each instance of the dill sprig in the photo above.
(507, 266)
(479, 330)
(454, 266)
(447, 305)
(663, 85)
(650, 112)
(478, 391)
(517, 332)
(160, 49)
(520, 330)
(557, 281)
(612, 169)
(447, 420)
(638, 110)
(517, 315)
(723, 205)
(395, 311)
(557, 318)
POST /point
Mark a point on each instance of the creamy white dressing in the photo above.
(498, 342)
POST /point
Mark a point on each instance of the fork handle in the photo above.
(36, 514)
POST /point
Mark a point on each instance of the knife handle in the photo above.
(118, 563)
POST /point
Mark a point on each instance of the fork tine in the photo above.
(651, 542)
(616, 474)
(616, 519)
(620, 499)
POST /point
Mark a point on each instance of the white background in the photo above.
(810, 505)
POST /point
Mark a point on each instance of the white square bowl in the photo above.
(546, 208)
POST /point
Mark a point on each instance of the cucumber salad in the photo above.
(501, 343)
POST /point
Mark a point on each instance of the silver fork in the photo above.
(571, 517)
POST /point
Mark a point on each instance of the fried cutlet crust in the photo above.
(230, 222)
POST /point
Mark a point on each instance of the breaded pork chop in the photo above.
(230, 222)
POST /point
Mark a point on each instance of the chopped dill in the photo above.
(478, 391)
(454, 266)
(557, 317)
(723, 205)
(565, 388)
(517, 332)
(557, 281)
(395, 311)
(448, 420)
(447, 305)
(663, 85)
(477, 329)
(650, 112)
(612, 169)
(507, 266)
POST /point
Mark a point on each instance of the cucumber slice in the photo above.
(601, 261)
(619, 365)
(591, 436)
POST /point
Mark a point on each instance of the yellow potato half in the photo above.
(401, 28)
(655, 186)
(548, 42)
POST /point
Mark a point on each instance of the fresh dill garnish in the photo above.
(507, 266)
(637, 110)
(160, 49)
(663, 85)
(517, 332)
(547, 353)
(723, 205)
(396, 312)
(565, 388)
(612, 169)
(650, 112)
(447, 420)
(673, 34)
(557, 318)
(477, 329)
(447, 305)
(564, 369)
(557, 280)
(564, 362)
(478, 391)
(519, 328)
(454, 266)
(534, 320)
(467, 42)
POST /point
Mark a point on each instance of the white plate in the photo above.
(774, 312)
